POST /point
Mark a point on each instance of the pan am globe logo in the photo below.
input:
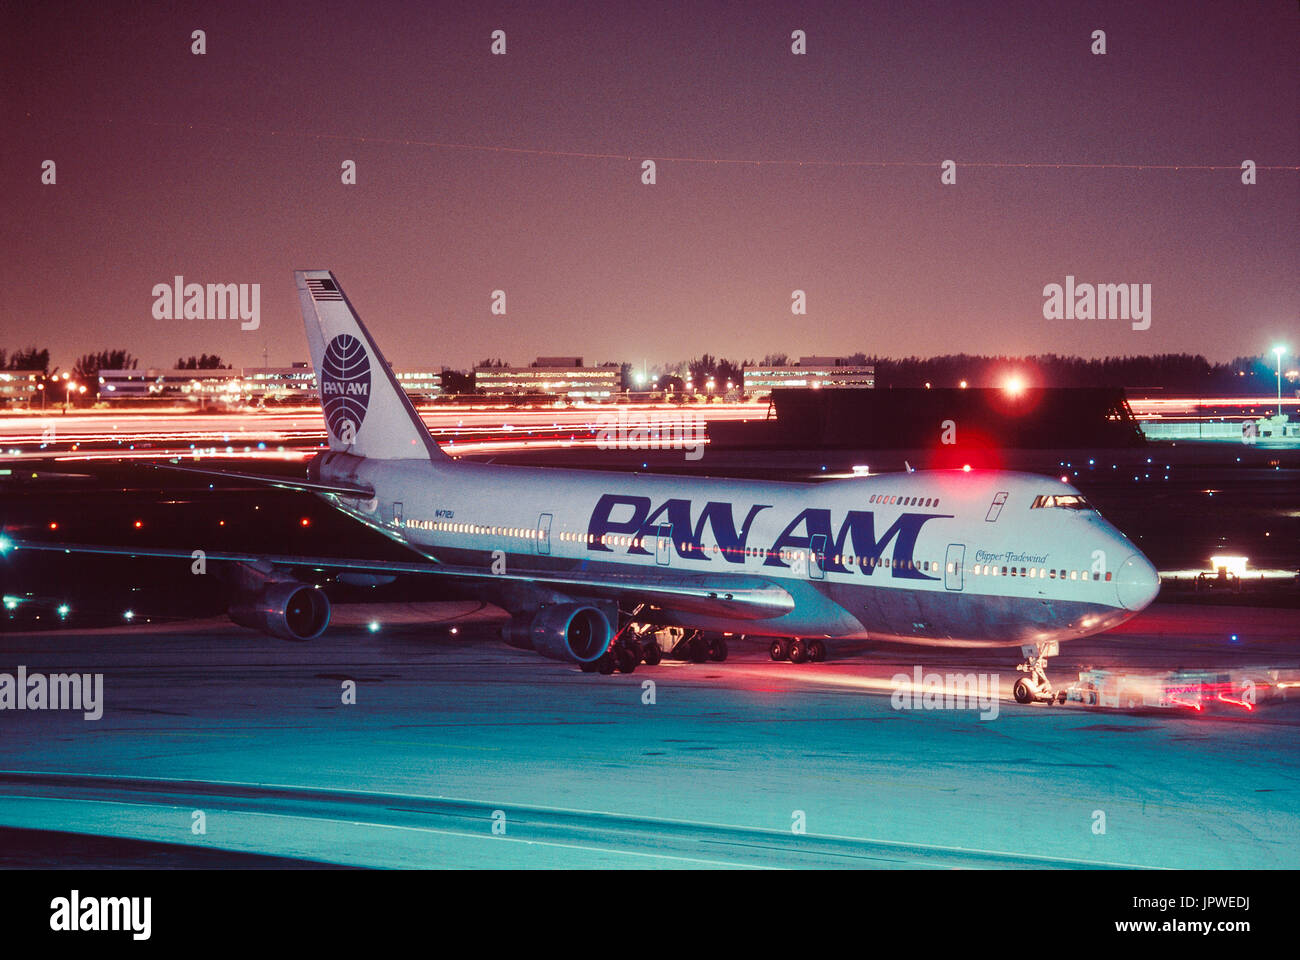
(345, 386)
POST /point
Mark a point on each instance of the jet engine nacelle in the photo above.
(575, 632)
(287, 609)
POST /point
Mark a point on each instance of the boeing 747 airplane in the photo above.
(590, 563)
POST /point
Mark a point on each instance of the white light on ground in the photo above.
(1233, 565)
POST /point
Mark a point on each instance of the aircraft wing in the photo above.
(742, 596)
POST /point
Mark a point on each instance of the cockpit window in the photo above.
(1064, 501)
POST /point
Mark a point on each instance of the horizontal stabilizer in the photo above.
(284, 483)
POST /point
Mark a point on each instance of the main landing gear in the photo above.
(694, 645)
(624, 655)
(645, 643)
(797, 650)
(1034, 687)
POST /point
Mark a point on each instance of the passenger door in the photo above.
(952, 567)
(664, 545)
(544, 533)
(817, 557)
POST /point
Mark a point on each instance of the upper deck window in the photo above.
(1064, 501)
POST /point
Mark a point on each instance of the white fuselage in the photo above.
(978, 557)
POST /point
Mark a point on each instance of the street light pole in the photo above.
(1277, 351)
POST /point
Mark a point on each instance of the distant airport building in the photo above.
(294, 382)
(557, 376)
(990, 419)
(420, 385)
(161, 384)
(819, 372)
(298, 382)
(20, 387)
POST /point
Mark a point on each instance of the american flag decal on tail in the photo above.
(323, 290)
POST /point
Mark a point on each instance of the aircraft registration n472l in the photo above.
(590, 563)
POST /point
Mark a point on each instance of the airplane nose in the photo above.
(1136, 583)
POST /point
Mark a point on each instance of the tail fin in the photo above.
(366, 411)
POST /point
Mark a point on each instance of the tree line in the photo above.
(1174, 372)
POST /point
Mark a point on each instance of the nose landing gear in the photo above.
(1034, 687)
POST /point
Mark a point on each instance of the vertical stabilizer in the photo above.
(367, 412)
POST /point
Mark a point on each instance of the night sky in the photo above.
(226, 168)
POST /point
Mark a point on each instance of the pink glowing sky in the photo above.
(167, 164)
